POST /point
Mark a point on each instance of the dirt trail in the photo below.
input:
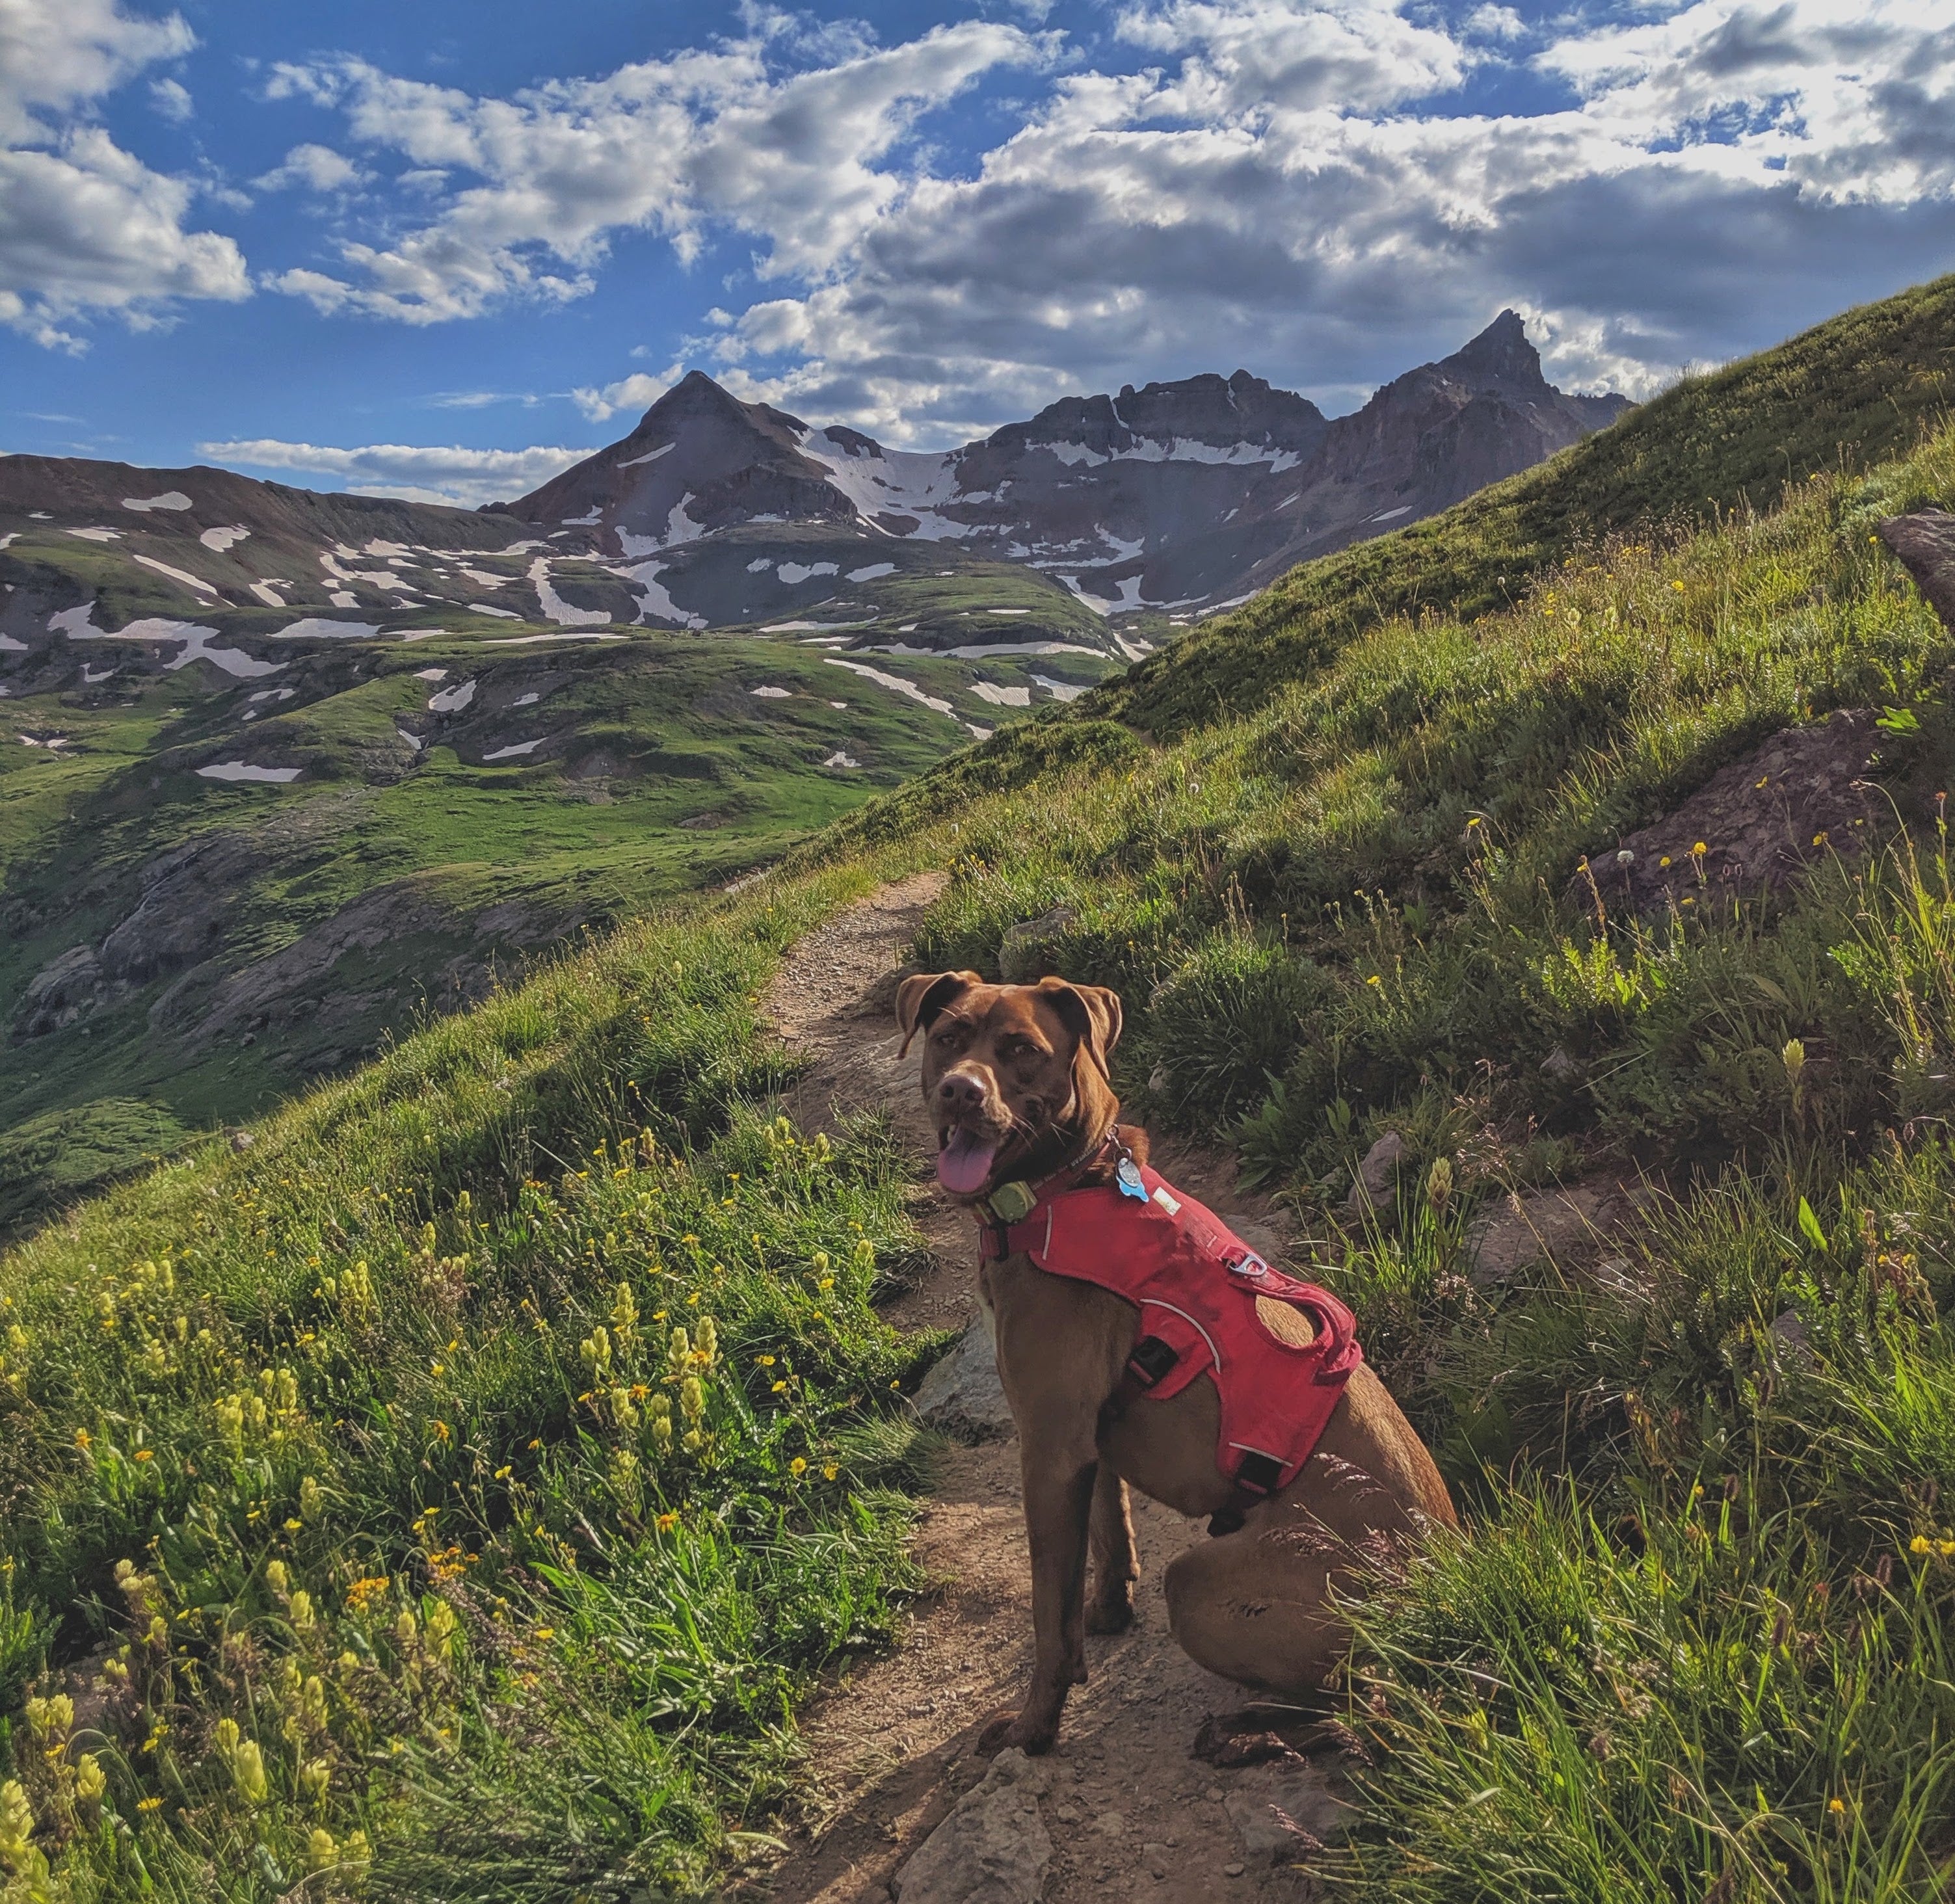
(1130, 1812)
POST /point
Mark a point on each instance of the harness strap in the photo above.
(1257, 1475)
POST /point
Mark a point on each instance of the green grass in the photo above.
(1692, 1638)
(1848, 394)
(664, 774)
(486, 1459)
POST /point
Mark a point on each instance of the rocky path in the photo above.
(900, 1806)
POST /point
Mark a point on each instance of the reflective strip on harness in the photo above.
(1196, 1284)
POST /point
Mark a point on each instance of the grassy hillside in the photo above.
(1844, 395)
(369, 1553)
(461, 802)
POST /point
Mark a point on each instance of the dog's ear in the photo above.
(920, 998)
(1091, 1013)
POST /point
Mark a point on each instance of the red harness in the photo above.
(1195, 1283)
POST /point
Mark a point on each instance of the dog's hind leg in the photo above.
(1115, 1564)
(1252, 1607)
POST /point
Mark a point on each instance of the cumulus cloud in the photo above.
(317, 168)
(636, 392)
(1297, 185)
(1309, 187)
(468, 477)
(172, 99)
(85, 227)
(797, 159)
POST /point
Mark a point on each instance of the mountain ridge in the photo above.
(1165, 499)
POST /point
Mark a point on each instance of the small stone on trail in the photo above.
(962, 1395)
(993, 1849)
(1111, 1825)
(1232, 1871)
(1300, 1793)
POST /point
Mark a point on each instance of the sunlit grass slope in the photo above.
(463, 1478)
(350, 1477)
(1847, 395)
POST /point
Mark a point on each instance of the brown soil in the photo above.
(889, 1745)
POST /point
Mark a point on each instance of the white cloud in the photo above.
(172, 100)
(799, 160)
(636, 392)
(1305, 186)
(85, 227)
(318, 168)
(1268, 195)
(467, 477)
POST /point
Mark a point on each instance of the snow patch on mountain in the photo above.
(655, 600)
(242, 770)
(555, 608)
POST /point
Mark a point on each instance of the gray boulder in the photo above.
(1272, 1804)
(961, 1395)
(993, 1849)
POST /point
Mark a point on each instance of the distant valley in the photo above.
(280, 768)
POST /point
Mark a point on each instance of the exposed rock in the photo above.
(242, 1140)
(1925, 542)
(1022, 952)
(993, 1849)
(962, 1395)
(188, 894)
(1790, 1340)
(60, 992)
(1760, 821)
(1377, 1179)
(1271, 1804)
(1168, 464)
(1555, 1225)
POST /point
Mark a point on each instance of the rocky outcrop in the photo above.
(1925, 542)
(993, 1849)
(60, 992)
(961, 1395)
(1754, 826)
(1168, 497)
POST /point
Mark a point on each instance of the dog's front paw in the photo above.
(1113, 1614)
(1020, 1729)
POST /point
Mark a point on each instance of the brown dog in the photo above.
(1016, 1080)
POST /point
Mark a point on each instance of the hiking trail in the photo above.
(1127, 1810)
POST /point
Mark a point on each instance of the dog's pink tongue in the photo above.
(965, 1162)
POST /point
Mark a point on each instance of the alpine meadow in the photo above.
(458, 1483)
(981, 951)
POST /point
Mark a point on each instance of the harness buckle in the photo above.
(1151, 1359)
(1258, 1474)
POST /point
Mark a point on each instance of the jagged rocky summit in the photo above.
(1176, 498)
(1095, 526)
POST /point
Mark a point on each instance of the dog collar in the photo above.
(1013, 1202)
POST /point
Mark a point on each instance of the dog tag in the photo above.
(1011, 1203)
(1129, 1177)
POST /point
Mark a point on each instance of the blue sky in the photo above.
(437, 249)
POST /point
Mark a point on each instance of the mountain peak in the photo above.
(1501, 353)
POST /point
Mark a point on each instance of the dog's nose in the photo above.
(960, 1091)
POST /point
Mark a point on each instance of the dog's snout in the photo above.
(959, 1091)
